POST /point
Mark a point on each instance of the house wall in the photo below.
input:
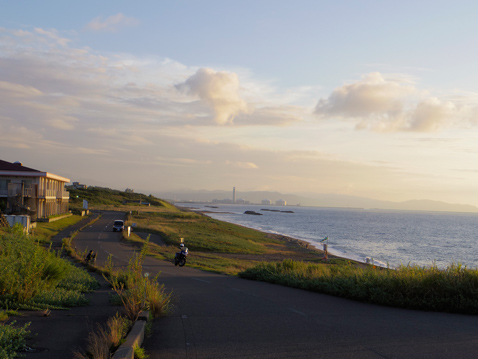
(49, 195)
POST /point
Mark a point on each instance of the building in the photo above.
(28, 191)
(242, 201)
(266, 201)
(78, 185)
(281, 202)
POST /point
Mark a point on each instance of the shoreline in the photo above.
(300, 243)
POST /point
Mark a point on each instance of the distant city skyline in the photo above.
(369, 99)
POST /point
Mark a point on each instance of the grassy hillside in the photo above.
(106, 198)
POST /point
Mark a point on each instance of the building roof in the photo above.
(17, 166)
(17, 169)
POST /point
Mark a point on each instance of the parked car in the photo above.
(118, 225)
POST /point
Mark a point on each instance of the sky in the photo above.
(371, 98)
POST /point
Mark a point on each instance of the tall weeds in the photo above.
(32, 277)
(12, 340)
(454, 289)
(26, 268)
(105, 339)
(136, 291)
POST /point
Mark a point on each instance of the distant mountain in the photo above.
(313, 199)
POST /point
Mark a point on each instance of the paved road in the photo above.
(217, 316)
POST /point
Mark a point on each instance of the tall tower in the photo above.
(233, 194)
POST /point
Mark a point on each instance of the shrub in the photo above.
(12, 339)
(32, 277)
(105, 339)
(454, 289)
(26, 268)
(137, 292)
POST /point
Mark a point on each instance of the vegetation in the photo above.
(105, 198)
(214, 245)
(105, 339)
(46, 230)
(12, 339)
(32, 277)
(202, 233)
(452, 290)
(138, 292)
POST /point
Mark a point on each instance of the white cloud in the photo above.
(389, 105)
(431, 114)
(220, 90)
(372, 95)
(111, 23)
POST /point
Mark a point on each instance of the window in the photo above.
(4, 184)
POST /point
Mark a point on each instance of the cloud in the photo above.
(245, 165)
(281, 115)
(52, 34)
(220, 90)
(372, 95)
(388, 105)
(431, 114)
(111, 23)
(50, 86)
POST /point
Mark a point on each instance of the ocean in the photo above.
(387, 237)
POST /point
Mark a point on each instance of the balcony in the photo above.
(30, 192)
(47, 193)
(62, 195)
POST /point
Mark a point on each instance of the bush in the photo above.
(12, 339)
(105, 339)
(26, 268)
(427, 288)
(32, 277)
(136, 291)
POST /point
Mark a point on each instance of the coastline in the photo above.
(307, 250)
(300, 243)
(304, 248)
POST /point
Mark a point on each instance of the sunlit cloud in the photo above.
(371, 95)
(53, 34)
(220, 90)
(182, 126)
(389, 105)
(245, 165)
(111, 23)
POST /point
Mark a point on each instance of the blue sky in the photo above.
(366, 98)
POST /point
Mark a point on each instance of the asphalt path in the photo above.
(218, 316)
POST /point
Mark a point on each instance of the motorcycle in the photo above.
(180, 258)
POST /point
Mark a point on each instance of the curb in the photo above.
(134, 338)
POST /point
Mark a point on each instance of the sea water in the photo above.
(388, 238)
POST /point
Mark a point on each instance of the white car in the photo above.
(118, 225)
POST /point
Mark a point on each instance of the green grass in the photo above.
(12, 340)
(45, 231)
(202, 233)
(427, 288)
(32, 277)
(99, 197)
